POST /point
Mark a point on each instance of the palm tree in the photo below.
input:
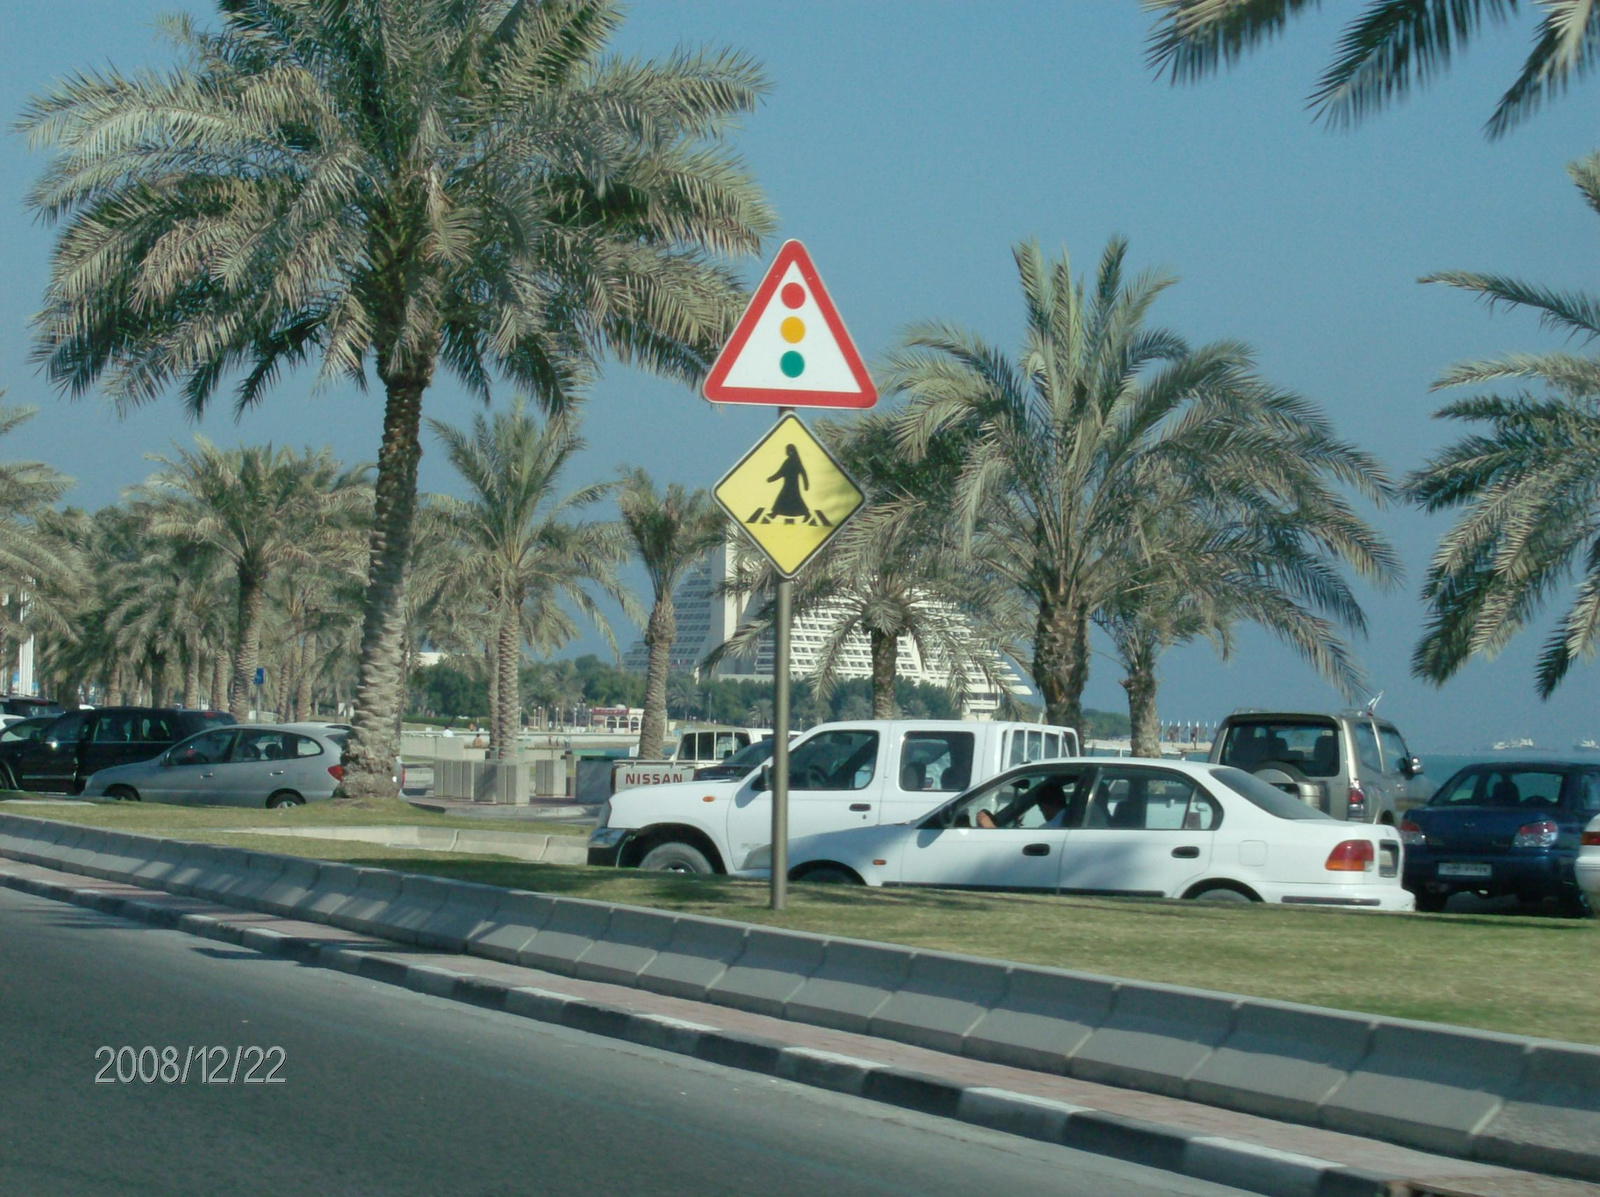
(171, 600)
(684, 695)
(1530, 486)
(39, 573)
(518, 540)
(261, 508)
(1391, 46)
(1104, 427)
(1217, 566)
(415, 184)
(670, 533)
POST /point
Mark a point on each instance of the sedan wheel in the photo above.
(1221, 893)
(122, 794)
(284, 799)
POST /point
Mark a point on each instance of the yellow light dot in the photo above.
(793, 328)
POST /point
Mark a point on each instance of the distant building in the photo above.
(706, 620)
(617, 719)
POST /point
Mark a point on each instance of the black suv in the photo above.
(22, 704)
(80, 742)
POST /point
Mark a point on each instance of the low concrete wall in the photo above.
(1526, 1103)
(540, 774)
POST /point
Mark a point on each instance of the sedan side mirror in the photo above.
(1414, 766)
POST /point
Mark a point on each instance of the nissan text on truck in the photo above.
(848, 774)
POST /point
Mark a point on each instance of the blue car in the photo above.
(1502, 828)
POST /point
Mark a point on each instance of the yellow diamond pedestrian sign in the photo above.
(789, 495)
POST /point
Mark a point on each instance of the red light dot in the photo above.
(793, 295)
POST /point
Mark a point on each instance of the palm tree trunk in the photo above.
(369, 759)
(158, 680)
(406, 658)
(491, 667)
(508, 642)
(219, 681)
(302, 694)
(1141, 687)
(885, 658)
(1061, 662)
(115, 686)
(191, 676)
(247, 644)
(659, 635)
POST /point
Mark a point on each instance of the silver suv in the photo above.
(1352, 765)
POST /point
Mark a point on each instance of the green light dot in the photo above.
(792, 364)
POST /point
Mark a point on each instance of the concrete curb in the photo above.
(1499, 1099)
(1206, 1157)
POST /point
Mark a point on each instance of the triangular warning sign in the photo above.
(790, 349)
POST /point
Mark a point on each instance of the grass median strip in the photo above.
(1526, 975)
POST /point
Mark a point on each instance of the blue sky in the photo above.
(910, 146)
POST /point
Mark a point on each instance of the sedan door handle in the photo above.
(275, 773)
(1036, 850)
(208, 775)
(861, 806)
(1187, 852)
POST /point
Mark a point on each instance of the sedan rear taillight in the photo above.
(336, 772)
(1590, 838)
(1357, 799)
(1542, 834)
(1411, 834)
(1351, 856)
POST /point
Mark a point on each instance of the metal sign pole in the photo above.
(780, 738)
(780, 748)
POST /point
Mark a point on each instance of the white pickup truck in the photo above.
(841, 775)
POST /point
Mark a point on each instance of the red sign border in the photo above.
(716, 389)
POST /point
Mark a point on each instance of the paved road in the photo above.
(391, 1092)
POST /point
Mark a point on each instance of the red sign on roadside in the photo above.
(790, 349)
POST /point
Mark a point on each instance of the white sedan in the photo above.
(1587, 868)
(1128, 828)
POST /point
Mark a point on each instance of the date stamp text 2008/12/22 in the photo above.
(216, 1065)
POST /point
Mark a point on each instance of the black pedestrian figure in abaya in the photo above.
(789, 502)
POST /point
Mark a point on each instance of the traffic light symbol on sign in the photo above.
(790, 348)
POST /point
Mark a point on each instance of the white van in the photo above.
(847, 774)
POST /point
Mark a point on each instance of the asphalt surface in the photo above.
(390, 1092)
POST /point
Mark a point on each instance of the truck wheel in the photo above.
(676, 857)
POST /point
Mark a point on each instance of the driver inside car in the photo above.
(1048, 796)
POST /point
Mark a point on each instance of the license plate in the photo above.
(1464, 869)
